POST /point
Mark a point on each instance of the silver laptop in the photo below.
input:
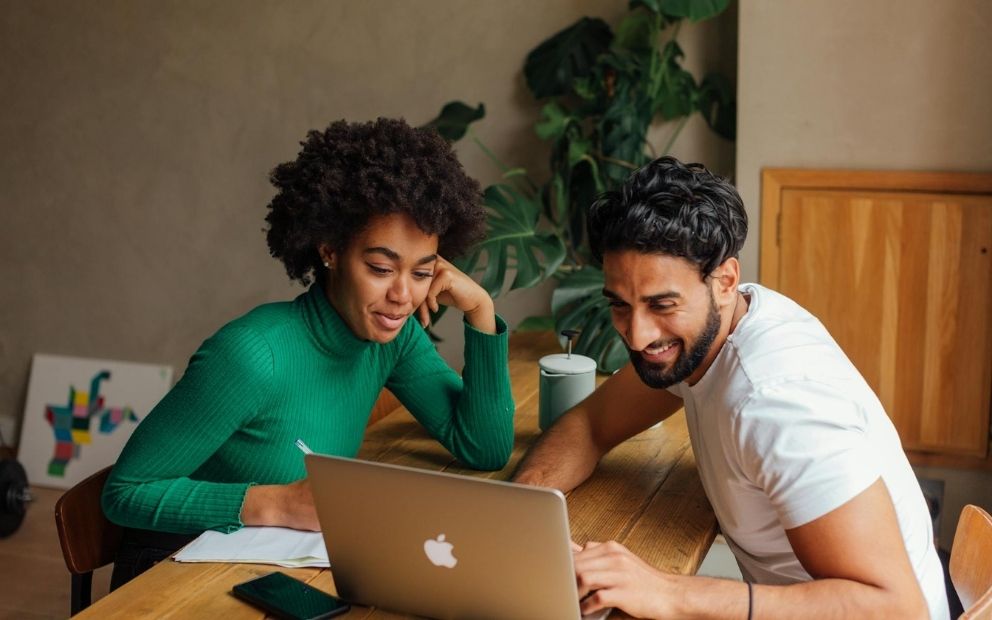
(442, 545)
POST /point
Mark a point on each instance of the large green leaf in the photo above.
(638, 31)
(623, 129)
(624, 123)
(575, 286)
(677, 86)
(578, 303)
(587, 88)
(554, 122)
(695, 10)
(552, 67)
(454, 119)
(584, 186)
(514, 242)
(579, 148)
(716, 103)
(649, 4)
(555, 198)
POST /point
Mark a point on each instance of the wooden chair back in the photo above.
(88, 539)
(971, 563)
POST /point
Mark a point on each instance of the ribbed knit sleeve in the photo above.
(226, 383)
(471, 415)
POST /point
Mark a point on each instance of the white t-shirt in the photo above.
(785, 430)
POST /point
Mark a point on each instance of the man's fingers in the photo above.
(591, 562)
(576, 547)
(596, 601)
(589, 581)
(597, 559)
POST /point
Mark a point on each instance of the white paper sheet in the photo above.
(258, 545)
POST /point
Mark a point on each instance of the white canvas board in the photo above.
(68, 432)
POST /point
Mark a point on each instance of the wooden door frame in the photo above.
(774, 181)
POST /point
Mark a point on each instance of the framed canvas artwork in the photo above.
(80, 412)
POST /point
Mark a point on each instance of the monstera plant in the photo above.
(601, 92)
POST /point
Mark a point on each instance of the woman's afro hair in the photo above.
(351, 172)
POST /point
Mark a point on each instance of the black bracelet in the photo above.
(750, 600)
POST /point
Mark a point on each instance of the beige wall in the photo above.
(875, 84)
(137, 136)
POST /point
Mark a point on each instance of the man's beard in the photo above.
(686, 363)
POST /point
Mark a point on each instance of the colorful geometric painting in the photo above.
(71, 422)
(80, 413)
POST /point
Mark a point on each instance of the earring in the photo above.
(327, 264)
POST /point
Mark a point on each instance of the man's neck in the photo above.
(740, 308)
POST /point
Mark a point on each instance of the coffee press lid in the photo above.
(567, 363)
(562, 364)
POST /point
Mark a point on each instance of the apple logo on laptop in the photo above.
(439, 552)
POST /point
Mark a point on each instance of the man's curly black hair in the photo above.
(351, 172)
(668, 207)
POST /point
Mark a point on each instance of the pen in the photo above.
(304, 448)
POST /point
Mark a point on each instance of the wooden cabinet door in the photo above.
(903, 282)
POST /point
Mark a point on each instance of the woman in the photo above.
(366, 212)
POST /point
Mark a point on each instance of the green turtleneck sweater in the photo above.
(295, 370)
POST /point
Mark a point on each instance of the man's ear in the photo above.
(726, 277)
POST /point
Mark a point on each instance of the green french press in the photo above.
(566, 380)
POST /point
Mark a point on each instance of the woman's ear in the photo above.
(327, 256)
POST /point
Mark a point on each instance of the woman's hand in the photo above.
(282, 505)
(451, 287)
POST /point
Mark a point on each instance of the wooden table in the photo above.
(646, 494)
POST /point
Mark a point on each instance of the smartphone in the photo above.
(290, 599)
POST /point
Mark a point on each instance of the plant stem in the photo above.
(654, 69)
(675, 134)
(619, 162)
(492, 156)
(659, 78)
(499, 164)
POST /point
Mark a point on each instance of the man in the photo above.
(801, 464)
